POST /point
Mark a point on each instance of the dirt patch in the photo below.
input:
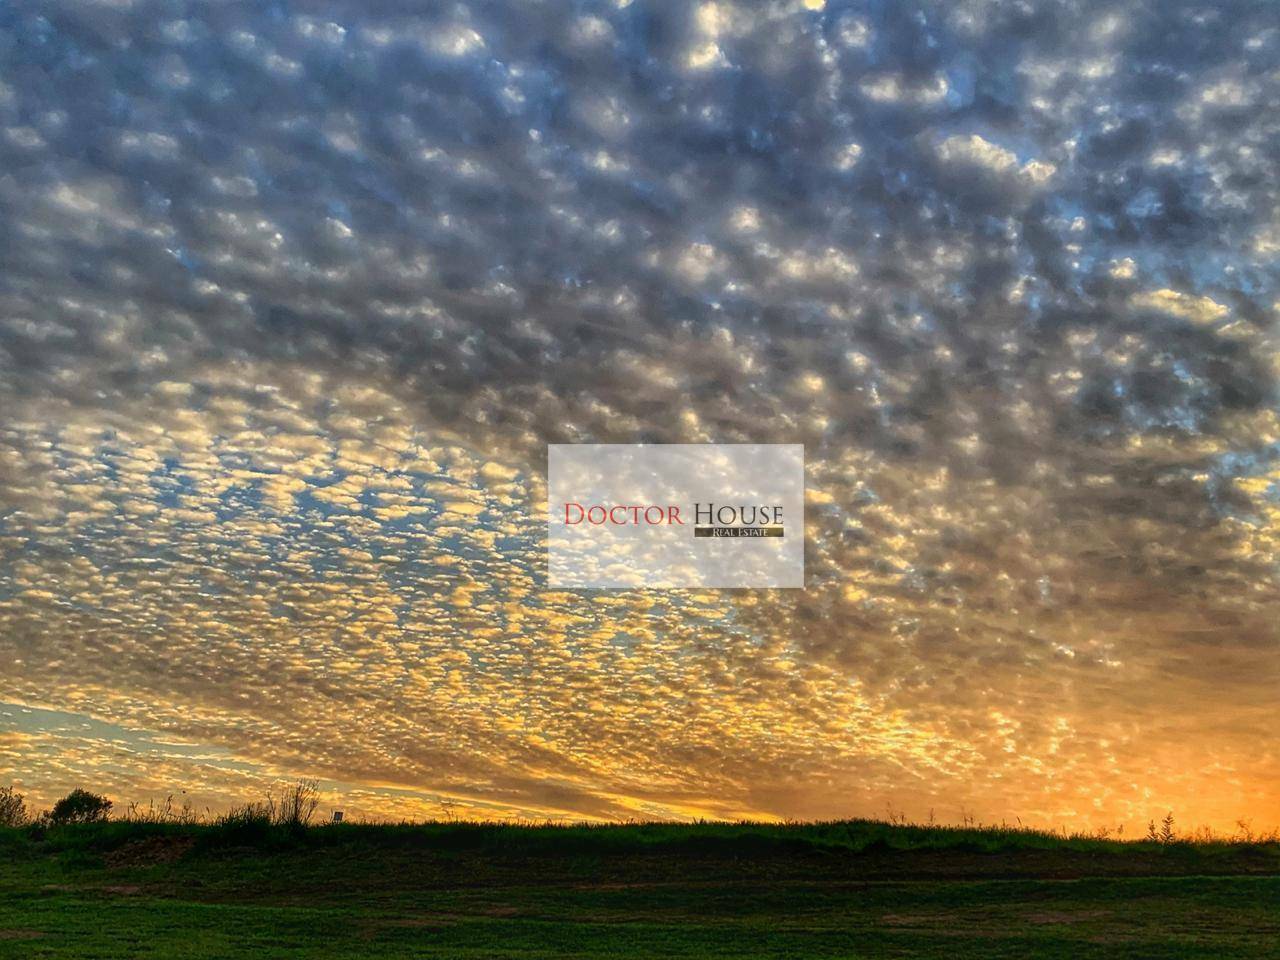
(644, 885)
(1060, 916)
(946, 924)
(499, 910)
(20, 934)
(117, 889)
(914, 919)
(149, 851)
(372, 931)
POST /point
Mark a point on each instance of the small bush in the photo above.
(80, 806)
(1165, 833)
(13, 808)
(247, 826)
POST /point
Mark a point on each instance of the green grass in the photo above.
(851, 889)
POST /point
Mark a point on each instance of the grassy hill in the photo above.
(845, 889)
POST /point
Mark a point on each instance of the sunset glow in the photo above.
(295, 298)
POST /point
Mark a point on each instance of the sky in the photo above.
(294, 296)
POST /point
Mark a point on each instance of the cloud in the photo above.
(975, 150)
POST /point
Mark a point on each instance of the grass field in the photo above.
(855, 889)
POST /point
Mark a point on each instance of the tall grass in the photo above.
(286, 817)
(289, 809)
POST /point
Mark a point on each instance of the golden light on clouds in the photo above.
(371, 609)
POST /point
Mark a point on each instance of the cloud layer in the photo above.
(293, 297)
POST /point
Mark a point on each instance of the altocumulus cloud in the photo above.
(294, 296)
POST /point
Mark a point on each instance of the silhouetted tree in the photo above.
(13, 808)
(80, 806)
